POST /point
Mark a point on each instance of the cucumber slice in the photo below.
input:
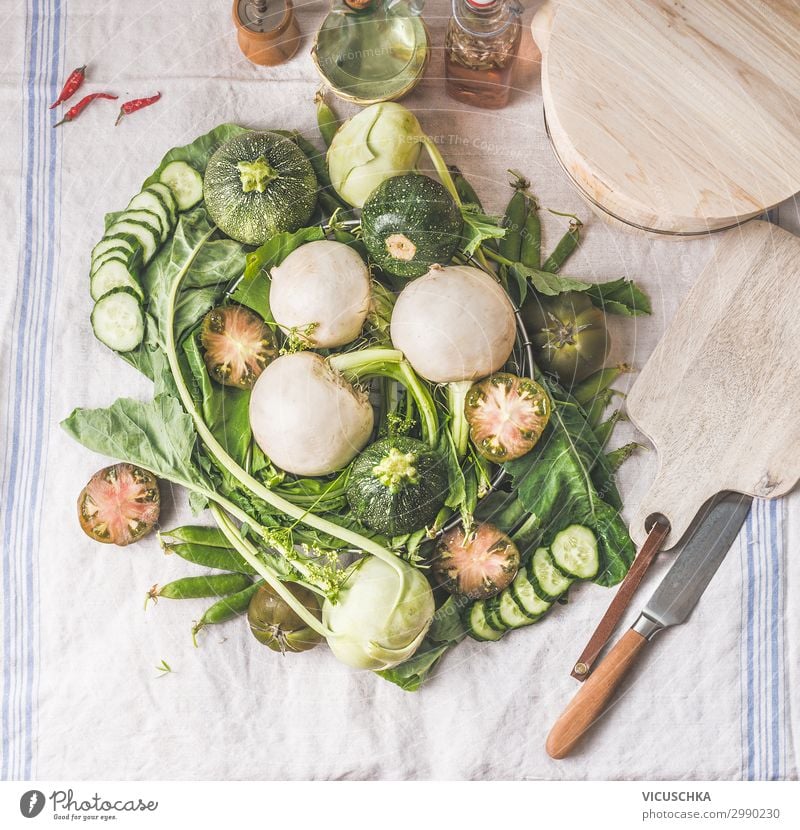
(146, 217)
(530, 603)
(118, 320)
(185, 183)
(167, 198)
(547, 579)
(511, 614)
(575, 552)
(492, 614)
(112, 243)
(114, 255)
(147, 200)
(478, 627)
(144, 234)
(114, 273)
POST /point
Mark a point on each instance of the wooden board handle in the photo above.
(594, 695)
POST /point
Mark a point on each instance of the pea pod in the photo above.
(464, 189)
(209, 556)
(327, 121)
(616, 458)
(201, 534)
(226, 608)
(595, 410)
(565, 248)
(531, 248)
(196, 587)
(514, 220)
(603, 430)
(601, 380)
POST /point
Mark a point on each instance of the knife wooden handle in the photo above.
(594, 695)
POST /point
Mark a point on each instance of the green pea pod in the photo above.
(227, 608)
(603, 430)
(514, 220)
(197, 587)
(586, 390)
(200, 534)
(565, 248)
(464, 189)
(531, 248)
(327, 121)
(616, 458)
(595, 410)
(208, 556)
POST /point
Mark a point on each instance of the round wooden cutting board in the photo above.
(675, 117)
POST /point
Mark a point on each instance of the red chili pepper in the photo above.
(136, 104)
(75, 111)
(71, 85)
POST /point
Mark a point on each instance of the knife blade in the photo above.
(695, 566)
(671, 604)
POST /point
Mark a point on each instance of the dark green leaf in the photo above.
(198, 152)
(157, 435)
(409, 676)
(620, 296)
(545, 282)
(566, 479)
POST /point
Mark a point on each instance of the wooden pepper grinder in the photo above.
(267, 31)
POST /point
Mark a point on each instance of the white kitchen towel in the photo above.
(81, 696)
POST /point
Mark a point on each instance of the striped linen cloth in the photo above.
(81, 696)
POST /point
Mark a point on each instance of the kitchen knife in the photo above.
(670, 605)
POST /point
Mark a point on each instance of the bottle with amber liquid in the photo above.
(480, 48)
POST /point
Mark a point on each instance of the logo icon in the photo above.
(31, 803)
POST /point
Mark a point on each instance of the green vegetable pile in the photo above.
(351, 397)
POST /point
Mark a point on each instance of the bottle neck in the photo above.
(479, 18)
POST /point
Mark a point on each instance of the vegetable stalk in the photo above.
(217, 450)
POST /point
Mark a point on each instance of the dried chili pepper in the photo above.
(72, 113)
(136, 104)
(71, 85)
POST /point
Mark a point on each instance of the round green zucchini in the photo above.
(258, 184)
(397, 485)
(409, 223)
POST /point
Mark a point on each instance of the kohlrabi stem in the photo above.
(459, 426)
(440, 166)
(250, 555)
(383, 362)
(295, 512)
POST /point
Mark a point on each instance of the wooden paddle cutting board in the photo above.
(720, 396)
(674, 116)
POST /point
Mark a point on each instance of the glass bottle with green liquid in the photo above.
(480, 49)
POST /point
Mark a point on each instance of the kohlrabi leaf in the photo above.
(620, 297)
(409, 676)
(157, 435)
(566, 479)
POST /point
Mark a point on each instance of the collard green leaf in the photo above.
(566, 479)
(198, 152)
(409, 676)
(253, 290)
(478, 228)
(157, 435)
(225, 410)
(620, 296)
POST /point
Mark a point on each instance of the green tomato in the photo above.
(276, 625)
(568, 334)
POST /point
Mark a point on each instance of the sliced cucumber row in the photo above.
(128, 245)
(573, 555)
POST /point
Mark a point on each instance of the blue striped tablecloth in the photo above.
(81, 697)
